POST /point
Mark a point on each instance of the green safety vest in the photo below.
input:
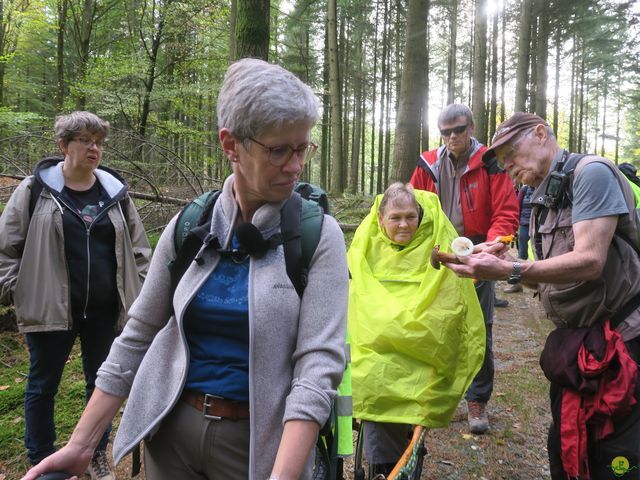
(344, 408)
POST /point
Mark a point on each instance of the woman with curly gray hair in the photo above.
(232, 374)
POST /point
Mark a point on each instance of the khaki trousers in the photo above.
(190, 446)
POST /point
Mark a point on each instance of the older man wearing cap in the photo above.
(480, 201)
(587, 272)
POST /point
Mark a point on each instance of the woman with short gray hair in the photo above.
(232, 374)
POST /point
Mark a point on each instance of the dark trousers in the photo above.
(482, 386)
(616, 457)
(523, 242)
(48, 353)
(607, 457)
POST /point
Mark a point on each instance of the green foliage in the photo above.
(14, 123)
(69, 401)
(15, 365)
(154, 237)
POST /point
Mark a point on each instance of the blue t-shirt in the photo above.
(216, 325)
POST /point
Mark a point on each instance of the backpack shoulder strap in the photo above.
(191, 229)
(301, 225)
(124, 206)
(36, 189)
(193, 214)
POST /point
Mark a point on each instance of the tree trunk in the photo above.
(542, 56)
(326, 105)
(62, 25)
(451, 60)
(470, 68)
(373, 99)
(425, 78)
(252, 29)
(83, 43)
(233, 15)
(503, 63)
(533, 52)
(357, 110)
(344, 63)
(387, 124)
(581, 101)
(524, 49)
(363, 140)
(337, 179)
(556, 92)
(383, 91)
(407, 137)
(604, 116)
(479, 70)
(3, 40)
(572, 107)
(618, 108)
(150, 77)
(493, 114)
(357, 121)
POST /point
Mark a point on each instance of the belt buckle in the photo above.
(206, 404)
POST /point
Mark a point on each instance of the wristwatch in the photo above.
(516, 274)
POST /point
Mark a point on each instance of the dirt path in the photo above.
(515, 446)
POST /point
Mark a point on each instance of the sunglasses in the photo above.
(445, 132)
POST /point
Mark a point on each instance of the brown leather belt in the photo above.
(216, 407)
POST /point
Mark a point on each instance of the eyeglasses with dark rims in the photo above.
(87, 142)
(279, 155)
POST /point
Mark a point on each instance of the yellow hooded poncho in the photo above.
(417, 333)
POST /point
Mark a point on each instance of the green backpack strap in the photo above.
(192, 214)
(300, 225)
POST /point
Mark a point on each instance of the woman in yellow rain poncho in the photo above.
(417, 333)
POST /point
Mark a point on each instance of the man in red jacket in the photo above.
(480, 201)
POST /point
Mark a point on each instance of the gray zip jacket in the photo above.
(296, 346)
(33, 269)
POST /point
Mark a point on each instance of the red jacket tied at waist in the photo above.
(614, 398)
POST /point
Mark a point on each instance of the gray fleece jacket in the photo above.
(296, 348)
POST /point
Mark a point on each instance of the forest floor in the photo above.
(512, 449)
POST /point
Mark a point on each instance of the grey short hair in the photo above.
(396, 192)
(67, 127)
(257, 95)
(451, 112)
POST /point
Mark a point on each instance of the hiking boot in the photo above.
(499, 303)
(478, 420)
(513, 288)
(99, 468)
(380, 470)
